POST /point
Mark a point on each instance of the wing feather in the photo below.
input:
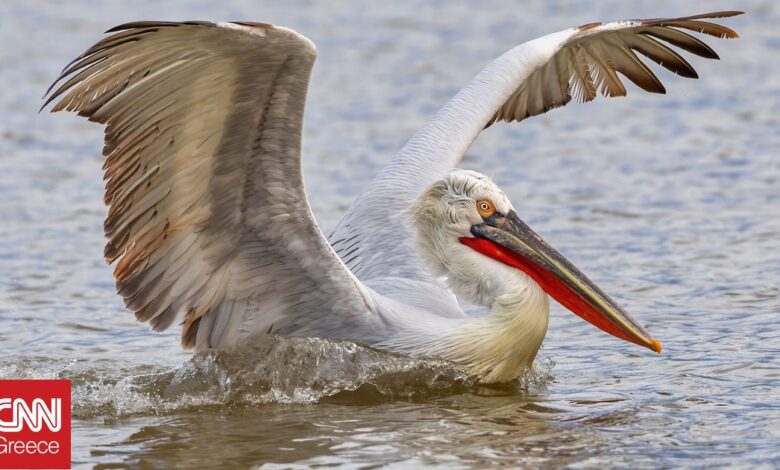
(603, 68)
(661, 54)
(208, 223)
(682, 40)
(628, 64)
(581, 74)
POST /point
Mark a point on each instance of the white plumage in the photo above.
(208, 219)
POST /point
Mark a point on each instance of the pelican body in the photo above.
(209, 224)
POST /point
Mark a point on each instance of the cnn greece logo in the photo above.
(34, 424)
(34, 417)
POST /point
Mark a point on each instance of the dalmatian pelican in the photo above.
(209, 224)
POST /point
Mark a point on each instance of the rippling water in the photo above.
(670, 203)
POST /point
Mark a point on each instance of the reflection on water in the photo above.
(443, 431)
(669, 203)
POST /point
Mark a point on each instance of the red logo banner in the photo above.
(34, 424)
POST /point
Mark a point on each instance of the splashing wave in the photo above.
(269, 369)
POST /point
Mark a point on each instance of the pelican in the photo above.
(209, 224)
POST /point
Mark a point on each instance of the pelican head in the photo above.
(469, 232)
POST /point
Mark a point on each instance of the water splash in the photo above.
(305, 370)
(268, 369)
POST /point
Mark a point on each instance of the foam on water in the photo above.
(267, 369)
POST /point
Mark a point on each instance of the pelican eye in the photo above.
(485, 208)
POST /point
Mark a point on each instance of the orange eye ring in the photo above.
(485, 208)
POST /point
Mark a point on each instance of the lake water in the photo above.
(670, 203)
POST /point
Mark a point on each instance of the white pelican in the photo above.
(210, 226)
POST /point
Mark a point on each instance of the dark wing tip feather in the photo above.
(682, 40)
(157, 24)
(189, 331)
(694, 23)
(702, 16)
(140, 24)
(704, 27)
(714, 14)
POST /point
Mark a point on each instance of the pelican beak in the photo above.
(509, 240)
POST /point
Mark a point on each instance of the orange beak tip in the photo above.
(656, 346)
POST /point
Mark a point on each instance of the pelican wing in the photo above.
(208, 221)
(548, 72)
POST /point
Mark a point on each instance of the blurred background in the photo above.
(670, 203)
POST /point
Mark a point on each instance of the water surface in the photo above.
(669, 203)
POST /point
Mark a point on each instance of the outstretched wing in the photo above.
(208, 221)
(530, 79)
